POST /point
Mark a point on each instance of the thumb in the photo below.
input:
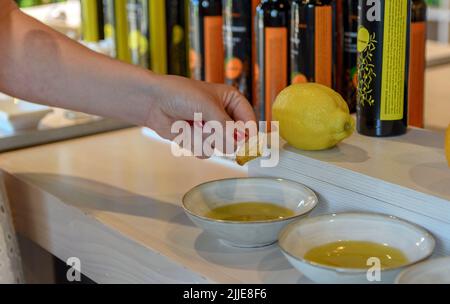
(238, 106)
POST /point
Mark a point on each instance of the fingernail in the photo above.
(198, 124)
(240, 136)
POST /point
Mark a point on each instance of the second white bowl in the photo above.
(435, 271)
(302, 236)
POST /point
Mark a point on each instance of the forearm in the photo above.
(43, 66)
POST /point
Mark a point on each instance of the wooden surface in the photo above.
(437, 89)
(415, 161)
(437, 97)
(437, 53)
(113, 200)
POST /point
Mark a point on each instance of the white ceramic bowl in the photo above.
(300, 237)
(206, 197)
(435, 271)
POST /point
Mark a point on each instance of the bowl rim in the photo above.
(417, 266)
(270, 179)
(342, 270)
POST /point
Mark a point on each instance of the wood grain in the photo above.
(114, 201)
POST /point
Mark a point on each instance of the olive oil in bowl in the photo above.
(247, 212)
(356, 254)
(250, 212)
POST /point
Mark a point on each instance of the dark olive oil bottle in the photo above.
(417, 63)
(383, 60)
(238, 17)
(177, 34)
(272, 64)
(350, 54)
(206, 55)
(311, 43)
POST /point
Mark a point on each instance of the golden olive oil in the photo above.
(355, 254)
(250, 212)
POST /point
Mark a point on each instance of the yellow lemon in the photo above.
(312, 116)
(447, 145)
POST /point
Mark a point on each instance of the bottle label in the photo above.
(394, 60)
(214, 53)
(276, 43)
(417, 74)
(238, 46)
(311, 44)
(324, 44)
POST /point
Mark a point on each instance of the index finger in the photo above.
(239, 108)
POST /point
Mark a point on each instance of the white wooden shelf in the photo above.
(114, 201)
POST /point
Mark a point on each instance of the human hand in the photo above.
(180, 98)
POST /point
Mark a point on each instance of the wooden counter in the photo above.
(437, 97)
(114, 201)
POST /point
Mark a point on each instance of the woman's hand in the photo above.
(180, 98)
(40, 65)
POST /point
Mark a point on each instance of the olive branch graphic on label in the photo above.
(366, 73)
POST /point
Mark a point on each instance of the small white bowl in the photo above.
(300, 237)
(435, 271)
(206, 197)
(17, 115)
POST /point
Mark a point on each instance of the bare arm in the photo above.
(43, 66)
